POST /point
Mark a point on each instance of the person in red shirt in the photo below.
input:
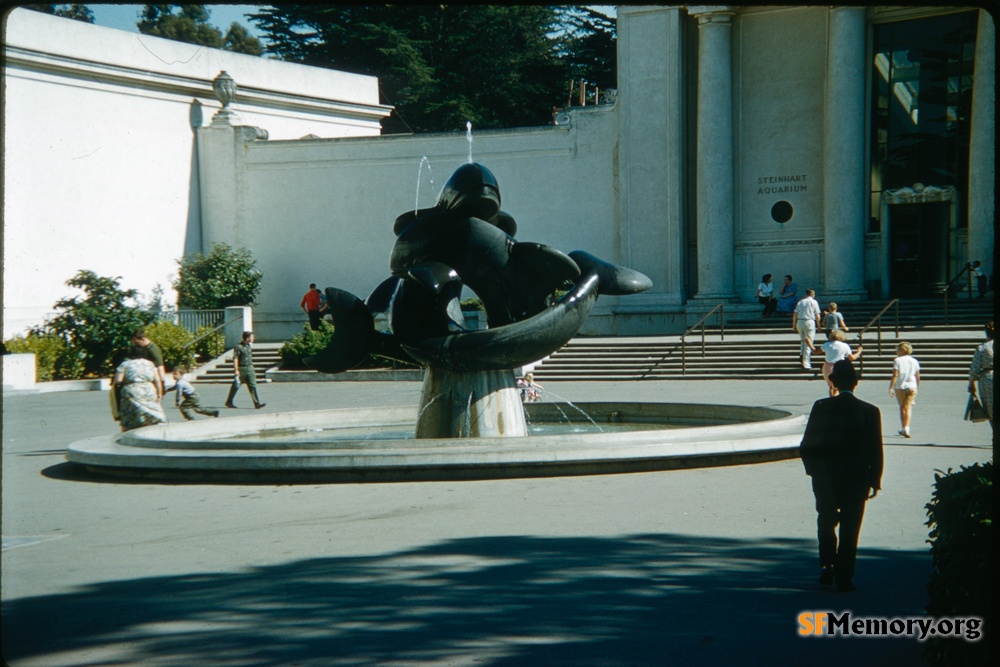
(313, 304)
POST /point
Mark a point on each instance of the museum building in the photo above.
(852, 147)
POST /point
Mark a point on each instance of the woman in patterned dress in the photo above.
(138, 393)
(982, 370)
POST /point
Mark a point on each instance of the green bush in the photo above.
(55, 359)
(211, 346)
(172, 339)
(224, 277)
(960, 516)
(305, 344)
(100, 324)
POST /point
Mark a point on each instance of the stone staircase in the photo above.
(220, 371)
(757, 348)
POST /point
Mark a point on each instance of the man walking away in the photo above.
(842, 452)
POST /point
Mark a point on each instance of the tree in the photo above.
(67, 11)
(591, 47)
(189, 23)
(224, 277)
(439, 65)
(99, 324)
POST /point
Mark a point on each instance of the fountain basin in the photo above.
(306, 446)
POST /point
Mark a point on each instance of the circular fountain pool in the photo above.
(376, 444)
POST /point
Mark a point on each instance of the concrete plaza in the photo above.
(689, 567)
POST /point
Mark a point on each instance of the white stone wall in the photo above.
(322, 210)
(99, 148)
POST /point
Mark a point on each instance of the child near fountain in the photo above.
(187, 399)
(530, 390)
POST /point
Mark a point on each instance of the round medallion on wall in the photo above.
(782, 212)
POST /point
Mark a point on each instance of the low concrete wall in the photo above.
(18, 371)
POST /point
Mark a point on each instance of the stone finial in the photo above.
(225, 91)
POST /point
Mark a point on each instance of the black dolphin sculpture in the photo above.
(467, 240)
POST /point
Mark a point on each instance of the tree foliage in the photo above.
(190, 23)
(73, 11)
(444, 65)
(224, 277)
(98, 324)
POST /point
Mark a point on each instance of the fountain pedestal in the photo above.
(470, 404)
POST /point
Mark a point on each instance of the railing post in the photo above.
(237, 320)
(683, 356)
(861, 343)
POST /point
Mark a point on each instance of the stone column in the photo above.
(220, 164)
(844, 213)
(715, 207)
(982, 146)
(651, 174)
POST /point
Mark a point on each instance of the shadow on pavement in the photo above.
(634, 600)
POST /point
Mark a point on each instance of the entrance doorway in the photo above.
(919, 249)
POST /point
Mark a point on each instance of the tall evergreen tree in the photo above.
(190, 23)
(73, 11)
(439, 65)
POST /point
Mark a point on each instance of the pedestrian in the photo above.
(313, 304)
(138, 391)
(981, 369)
(842, 453)
(788, 295)
(530, 390)
(982, 283)
(805, 320)
(187, 399)
(833, 320)
(765, 295)
(904, 384)
(836, 349)
(243, 371)
(144, 348)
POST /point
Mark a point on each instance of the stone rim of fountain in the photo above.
(187, 451)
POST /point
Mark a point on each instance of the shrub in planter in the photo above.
(960, 516)
(172, 339)
(211, 346)
(55, 359)
(304, 345)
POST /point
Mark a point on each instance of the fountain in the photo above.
(470, 422)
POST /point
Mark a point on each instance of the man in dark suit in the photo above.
(842, 452)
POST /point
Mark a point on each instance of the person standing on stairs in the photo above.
(805, 320)
(243, 371)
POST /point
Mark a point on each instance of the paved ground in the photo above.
(697, 567)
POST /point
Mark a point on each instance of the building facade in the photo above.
(851, 147)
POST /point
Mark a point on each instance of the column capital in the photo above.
(712, 14)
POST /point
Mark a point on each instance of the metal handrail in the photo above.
(722, 331)
(212, 331)
(877, 322)
(967, 269)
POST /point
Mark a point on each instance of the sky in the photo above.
(124, 17)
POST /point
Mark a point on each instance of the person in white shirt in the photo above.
(805, 320)
(904, 383)
(836, 349)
